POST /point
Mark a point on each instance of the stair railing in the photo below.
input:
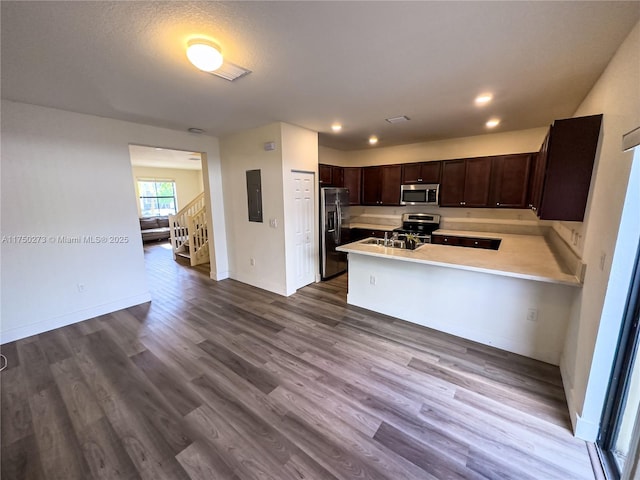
(182, 236)
(198, 237)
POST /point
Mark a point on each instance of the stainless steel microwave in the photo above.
(419, 194)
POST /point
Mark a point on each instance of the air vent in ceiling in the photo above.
(230, 71)
(400, 119)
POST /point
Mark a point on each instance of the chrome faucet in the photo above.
(386, 239)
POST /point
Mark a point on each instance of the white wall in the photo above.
(596, 314)
(188, 182)
(67, 174)
(271, 248)
(299, 152)
(521, 141)
(493, 310)
(239, 153)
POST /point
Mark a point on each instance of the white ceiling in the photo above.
(314, 63)
(156, 157)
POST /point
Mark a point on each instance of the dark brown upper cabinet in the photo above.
(466, 183)
(563, 169)
(381, 185)
(352, 177)
(425, 172)
(330, 175)
(510, 180)
(325, 173)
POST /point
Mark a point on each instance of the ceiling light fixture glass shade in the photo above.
(483, 99)
(373, 140)
(205, 55)
(494, 122)
(336, 127)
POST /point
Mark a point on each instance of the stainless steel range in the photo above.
(422, 225)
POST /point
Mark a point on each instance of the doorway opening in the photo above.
(170, 200)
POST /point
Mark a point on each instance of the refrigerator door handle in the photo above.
(339, 226)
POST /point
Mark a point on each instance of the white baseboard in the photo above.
(219, 275)
(568, 393)
(583, 429)
(42, 326)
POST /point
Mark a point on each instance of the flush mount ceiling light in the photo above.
(207, 56)
(204, 54)
(483, 99)
(373, 140)
(494, 122)
(336, 127)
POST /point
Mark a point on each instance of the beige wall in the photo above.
(592, 332)
(299, 152)
(521, 141)
(253, 240)
(188, 182)
(268, 246)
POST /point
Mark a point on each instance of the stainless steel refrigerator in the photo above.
(334, 223)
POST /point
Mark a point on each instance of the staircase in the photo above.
(189, 234)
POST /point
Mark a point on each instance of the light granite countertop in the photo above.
(529, 257)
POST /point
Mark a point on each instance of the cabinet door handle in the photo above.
(497, 204)
(463, 203)
(419, 179)
(446, 239)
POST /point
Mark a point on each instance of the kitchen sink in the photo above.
(390, 243)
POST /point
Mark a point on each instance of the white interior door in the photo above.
(303, 196)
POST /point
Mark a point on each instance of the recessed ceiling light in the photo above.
(373, 140)
(494, 122)
(483, 98)
(204, 54)
(400, 119)
(336, 127)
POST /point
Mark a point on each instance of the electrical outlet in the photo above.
(80, 288)
(252, 262)
(532, 314)
(273, 223)
(372, 279)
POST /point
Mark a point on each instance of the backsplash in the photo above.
(517, 221)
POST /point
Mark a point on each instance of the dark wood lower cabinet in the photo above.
(472, 242)
(362, 233)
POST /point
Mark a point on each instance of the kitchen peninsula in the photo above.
(517, 298)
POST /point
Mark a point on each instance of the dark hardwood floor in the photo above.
(220, 380)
